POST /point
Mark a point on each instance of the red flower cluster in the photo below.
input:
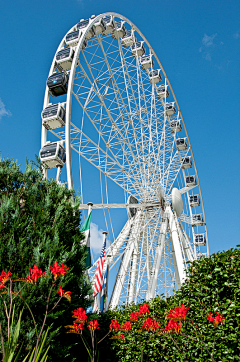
(217, 320)
(58, 270)
(64, 294)
(179, 313)
(34, 274)
(76, 328)
(126, 326)
(93, 325)
(80, 315)
(144, 309)
(114, 326)
(81, 318)
(151, 324)
(173, 326)
(4, 277)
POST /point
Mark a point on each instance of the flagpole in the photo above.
(90, 205)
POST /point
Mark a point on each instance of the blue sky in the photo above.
(198, 44)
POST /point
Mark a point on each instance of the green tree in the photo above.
(40, 224)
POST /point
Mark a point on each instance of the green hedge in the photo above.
(213, 286)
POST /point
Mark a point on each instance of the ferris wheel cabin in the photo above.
(190, 181)
(119, 31)
(53, 116)
(170, 108)
(194, 200)
(155, 76)
(197, 220)
(53, 154)
(82, 25)
(162, 92)
(99, 27)
(58, 83)
(175, 126)
(181, 143)
(200, 240)
(108, 21)
(138, 49)
(146, 61)
(73, 38)
(64, 58)
(129, 39)
(186, 162)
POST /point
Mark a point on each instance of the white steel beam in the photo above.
(157, 259)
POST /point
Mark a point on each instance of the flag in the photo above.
(104, 291)
(86, 230)
(98, 278)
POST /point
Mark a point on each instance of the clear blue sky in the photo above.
(198, 43)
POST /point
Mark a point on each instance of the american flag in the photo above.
(99, 272)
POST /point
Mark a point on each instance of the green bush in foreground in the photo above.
(213, 286)
(39, 224)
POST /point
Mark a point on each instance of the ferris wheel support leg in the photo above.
(177, 253)
(146, 251)
(157, 259)
(134, 268)
(117, 290)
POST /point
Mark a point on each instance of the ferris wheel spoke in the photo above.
(119, 95)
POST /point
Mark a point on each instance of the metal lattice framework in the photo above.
(118, 123)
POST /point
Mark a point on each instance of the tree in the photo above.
(40, 224)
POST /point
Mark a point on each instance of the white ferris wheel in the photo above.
(112, 125)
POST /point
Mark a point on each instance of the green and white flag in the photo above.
(86, 230)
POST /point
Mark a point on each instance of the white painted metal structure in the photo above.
(124, 131)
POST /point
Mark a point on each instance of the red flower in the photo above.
(147, 324)
(134, 316)
(63, 269)
(122, 336)
(2, 286)
(155, 324)
(126, 326)
(210, 318)
(173, 326)
(76, 328)
(64, 294)
(144, 309)
(80, 315)
(179, 313)
(217, 320)
(114, 326)
(34, 274)
(93, 325)
(4, 277)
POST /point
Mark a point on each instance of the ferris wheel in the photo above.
(112, 126)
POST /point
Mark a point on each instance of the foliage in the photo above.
(39, 223)
(213, 287)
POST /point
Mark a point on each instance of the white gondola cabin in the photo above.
(73, 38)
(82, 25)
(53, 154)
(181, 144)
(175, 126)
(53, 116)
(200, 240)
(138, 49)
(58, 83)
(129, 39)
(131, 211)
(190, 181)
(64, 58)
(186, 162)
(162, 91)
(155, 76)
(197, 220)
(194, 200)
(108, 21)
(119, 31)
(146, 61)
(170, 108)
(99, 26)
